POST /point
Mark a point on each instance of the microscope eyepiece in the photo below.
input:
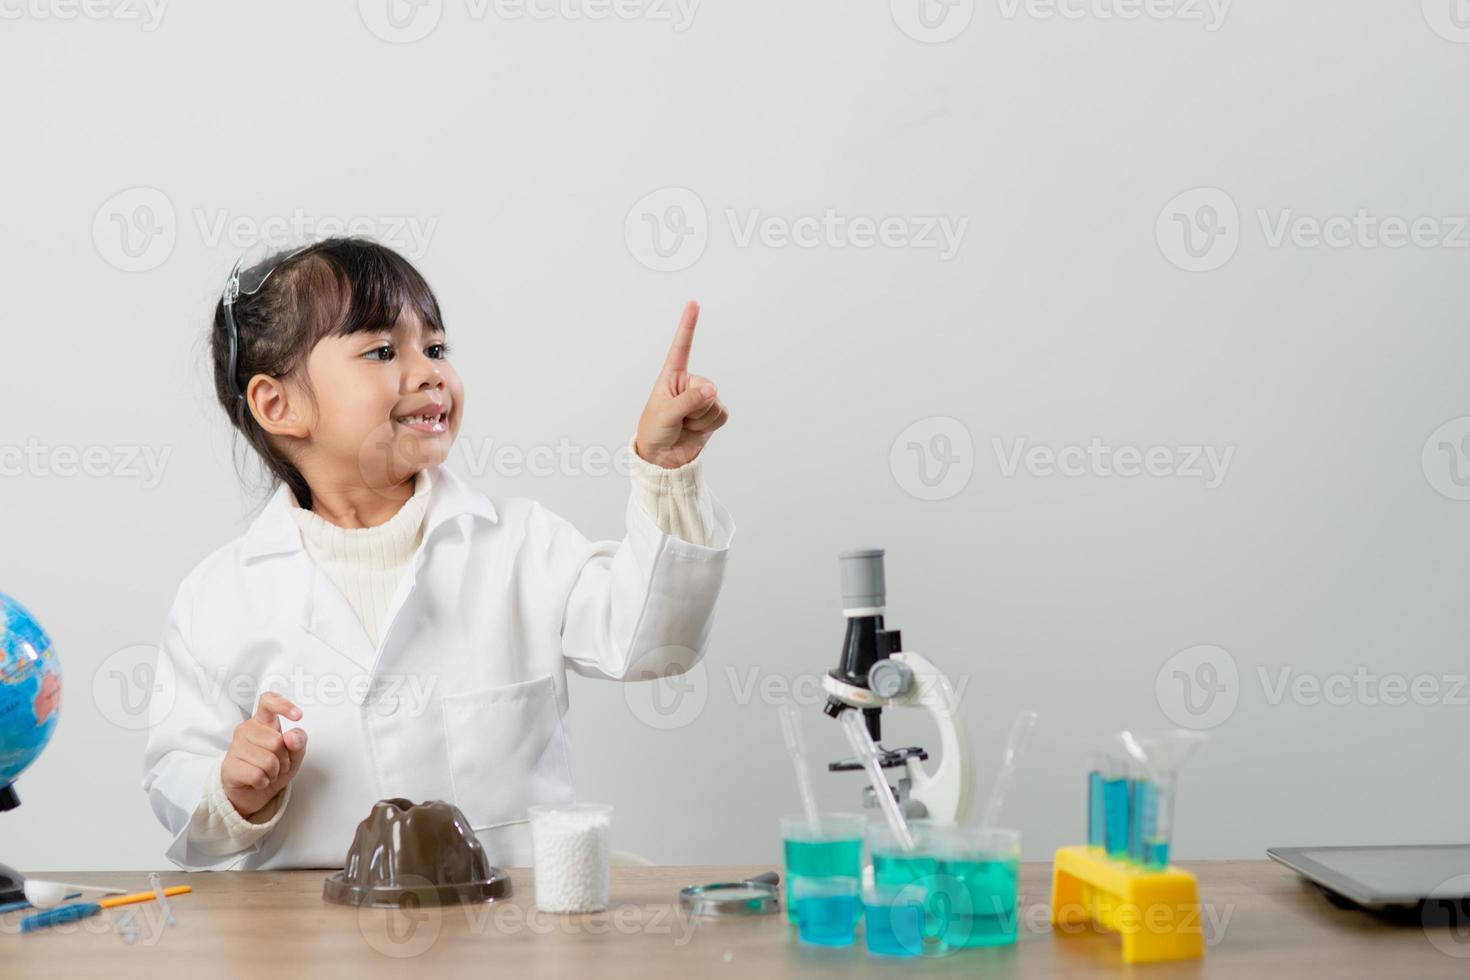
(862, 579)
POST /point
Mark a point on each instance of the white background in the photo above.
(1333, 544)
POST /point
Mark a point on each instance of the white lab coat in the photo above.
(465, 698)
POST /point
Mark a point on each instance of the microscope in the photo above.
(874, 674)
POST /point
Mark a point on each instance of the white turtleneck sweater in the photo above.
(367, 566)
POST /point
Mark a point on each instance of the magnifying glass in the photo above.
(753, 896)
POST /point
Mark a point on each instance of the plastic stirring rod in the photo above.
(867, 753)
(796, 748)
(1015, 747)
(168, 910)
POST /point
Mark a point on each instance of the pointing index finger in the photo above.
(273, 704)
(678, 359)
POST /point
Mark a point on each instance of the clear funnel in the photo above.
(1160, 757)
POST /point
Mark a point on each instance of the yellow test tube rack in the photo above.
(1157, 913)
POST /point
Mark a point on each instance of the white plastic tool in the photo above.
(156, 884)
(49, 894)
(1015, 747)
(867, 754)
(796, 748)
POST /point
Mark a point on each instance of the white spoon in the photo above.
(49, 894)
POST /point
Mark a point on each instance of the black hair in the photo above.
(335, 287)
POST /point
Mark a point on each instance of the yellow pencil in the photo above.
(134, 897)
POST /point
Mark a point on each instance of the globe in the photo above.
(30, 697)
(30, 692)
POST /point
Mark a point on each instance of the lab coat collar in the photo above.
(274, 531)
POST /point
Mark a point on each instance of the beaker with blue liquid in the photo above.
(830, 848)
(896, 867)
(893, 918)
(827, 910)
(979, 870)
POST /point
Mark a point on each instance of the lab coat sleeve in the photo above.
(676, 499)
(217, 828)
(643, 607)
(190, 723)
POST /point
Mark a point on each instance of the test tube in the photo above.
(1097, 814)
(1161, 756)
(1140, 805)
(1114, 771)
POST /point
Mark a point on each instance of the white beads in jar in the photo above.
(571, 846)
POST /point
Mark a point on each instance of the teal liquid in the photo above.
(1097, 816)
(894, 928)
(984, 913)
(1139, 817)
(827, 920)
(898, 869)
(1155, 854)
(821, 859)
(1115, 803)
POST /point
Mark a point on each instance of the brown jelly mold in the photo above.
(415, 855)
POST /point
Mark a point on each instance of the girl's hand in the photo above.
(684, 409)
(261, 760)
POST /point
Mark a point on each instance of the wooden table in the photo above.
(1261, 921)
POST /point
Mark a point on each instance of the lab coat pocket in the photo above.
(506, 751)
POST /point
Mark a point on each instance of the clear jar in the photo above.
(571, 851)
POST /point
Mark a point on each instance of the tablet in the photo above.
(1382, 877)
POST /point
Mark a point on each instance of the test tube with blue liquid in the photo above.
(1140, 803)
(1112, 786)
(1159, 757)
(1097, 813)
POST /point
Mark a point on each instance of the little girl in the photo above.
(418, 633)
